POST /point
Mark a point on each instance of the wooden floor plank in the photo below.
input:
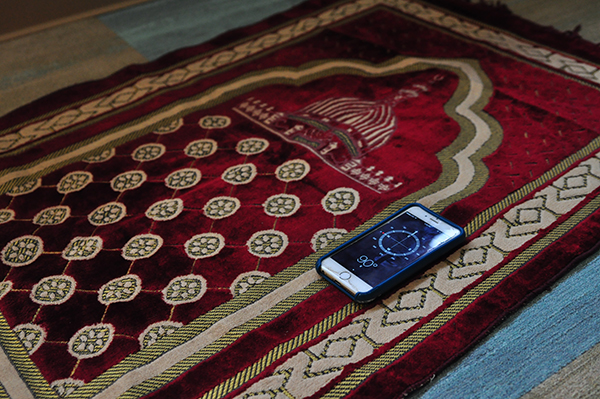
(23, 17)
(38, 64)
(161, 26)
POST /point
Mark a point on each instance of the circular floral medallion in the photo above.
(91, 341)
(170, 127)
(31, 336)
(142, 246)
(101, 157)
(221, 207)
(165, 210)
(122, 289)
(267, 243)
(156, 331)
(25, 188)
(108, 213)
(183, 178)
(341, 201)
(240, 174)
(251, 146)
(5, 288)
(148, 152)
(128, 180)
(82, 248)
(281, 205)
(66, 386)
(6, 215)
(293, 170)
(74, 181)
(214, 122)
(204, 245)
(53, 290)
(52, 216)
(185, 289)
(245, 281)
(322, 238)
(201, 148)
(22, 251)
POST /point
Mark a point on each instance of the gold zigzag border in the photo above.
(238, 380)
(357, 377)
(39, 385)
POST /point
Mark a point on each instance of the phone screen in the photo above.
(391, 248)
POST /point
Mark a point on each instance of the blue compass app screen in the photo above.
(390, 248)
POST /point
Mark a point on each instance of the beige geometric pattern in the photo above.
(201, 148)
(148, 152)
(25, 188)
(169, 127)
(308, 371)
(83, 248)
(157, 330)
(240, 174)
(221, 207)
(293, 170)
(282, 205)
(74, 181)
(501, 40)
(267, 243)
(341, 201)
(31, 336)
(66, 386)
(91, 341)
(245, 281)
(52, 216)
(101, 157)
(53, 290)
(122, 289)
(204, 245)
(214, 122)
(6, 215)
(108, 213)
(5, 288)
(142, 246)
(128, 180)
(322, 238)
(183, 178)
(22, 251)
(165, 210)
(251, 146)
(184, 289)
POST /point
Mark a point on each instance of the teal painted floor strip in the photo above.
(531, 345)
(161, 26)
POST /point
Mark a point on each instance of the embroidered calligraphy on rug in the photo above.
(159, 232)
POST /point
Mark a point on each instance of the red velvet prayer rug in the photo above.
(159, 228)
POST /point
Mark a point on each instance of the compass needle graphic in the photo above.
(399, 242)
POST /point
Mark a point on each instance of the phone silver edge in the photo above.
(344, 277)
(439, 224)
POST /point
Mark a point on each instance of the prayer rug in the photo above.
(159, 228)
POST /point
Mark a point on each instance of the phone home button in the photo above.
(345, 275)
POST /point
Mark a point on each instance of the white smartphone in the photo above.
(390, 252)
